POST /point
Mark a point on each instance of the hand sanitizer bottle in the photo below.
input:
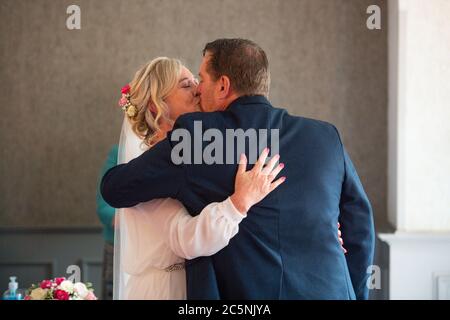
(13, 293)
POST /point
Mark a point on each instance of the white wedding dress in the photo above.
(153, 238)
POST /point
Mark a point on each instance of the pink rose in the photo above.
(59, 280)
(126, 89)
(90, 296)
(123, 101)
(61, 295)
(46, 284)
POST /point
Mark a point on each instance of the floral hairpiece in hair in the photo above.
(125, 104)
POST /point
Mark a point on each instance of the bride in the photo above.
(153, 238)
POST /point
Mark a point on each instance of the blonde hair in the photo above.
(149, 88)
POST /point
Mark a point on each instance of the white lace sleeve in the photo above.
(205, 234)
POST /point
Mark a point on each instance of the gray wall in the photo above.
(60, 87)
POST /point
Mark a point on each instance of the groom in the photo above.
(287, 247)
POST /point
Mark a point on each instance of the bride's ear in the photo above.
(224, 87)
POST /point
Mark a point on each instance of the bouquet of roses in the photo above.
(60, 289)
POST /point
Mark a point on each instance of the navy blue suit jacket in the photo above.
(287, 247)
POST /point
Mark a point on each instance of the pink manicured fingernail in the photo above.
(284, 178)
(281, 165)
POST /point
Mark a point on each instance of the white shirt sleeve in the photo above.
(205, 234)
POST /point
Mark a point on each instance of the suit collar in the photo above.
(248, 100)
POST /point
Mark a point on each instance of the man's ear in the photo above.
(224, 87)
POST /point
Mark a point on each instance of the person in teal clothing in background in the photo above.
(106, 214)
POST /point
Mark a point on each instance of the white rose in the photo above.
(81, 290)
(38, 294)
(131, 111)
(67, 286)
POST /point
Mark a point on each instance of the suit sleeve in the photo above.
(357, 228)
(151, 175)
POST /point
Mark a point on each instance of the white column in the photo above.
(419, 115)
(419, 149)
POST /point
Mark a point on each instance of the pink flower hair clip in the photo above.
(125, 103)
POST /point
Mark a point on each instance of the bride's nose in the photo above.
(195, 89)
(196, 93)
